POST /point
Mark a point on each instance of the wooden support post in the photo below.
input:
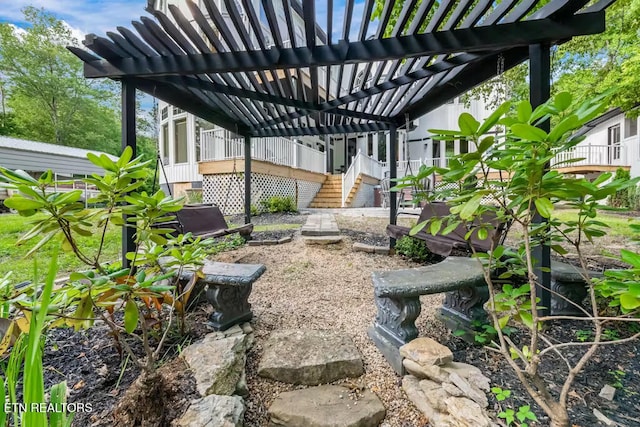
(539, 92)
(393, 172)
(247, 179)
(128, 99)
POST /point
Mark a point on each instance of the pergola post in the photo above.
(247, 179)
(128, 99)
(539, 92)
(393, 172)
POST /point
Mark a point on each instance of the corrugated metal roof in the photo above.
(43, 147)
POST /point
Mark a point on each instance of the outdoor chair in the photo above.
(205, 221)
(443, 244)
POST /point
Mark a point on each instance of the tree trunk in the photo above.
(560, 417)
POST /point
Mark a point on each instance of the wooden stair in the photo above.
(354, 191)
(330, 194)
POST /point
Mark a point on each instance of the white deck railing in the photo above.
(411, 167)
(593, 155)
(217, 145)
(360, 164)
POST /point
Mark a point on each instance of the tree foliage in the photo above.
(583, 66)
(44, 89)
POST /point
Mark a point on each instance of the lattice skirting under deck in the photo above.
(227, 190)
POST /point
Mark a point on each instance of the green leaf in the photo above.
(528, 132)
(527, 319)
(131, 316)
(482, 233)
(544, 207)
(435, 226)
(629, 301)
(562, 101)
(470, 207)
(524, 111)
(468, 124)
(629, 257)
(20, 203)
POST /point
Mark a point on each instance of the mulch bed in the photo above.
(601, 370)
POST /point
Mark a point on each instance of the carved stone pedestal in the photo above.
(228, 290)
(395, 325)
(571, 287)
(230, 304)
(463, 307)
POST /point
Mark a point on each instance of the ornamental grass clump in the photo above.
(509, 167)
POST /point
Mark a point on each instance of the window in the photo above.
(165, 143)
(177, 111)
(164, 113)
(180, 141)
(370, 145)
(613, 140)
(630, 127)
(464, 146)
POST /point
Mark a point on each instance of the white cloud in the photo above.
(82, 17)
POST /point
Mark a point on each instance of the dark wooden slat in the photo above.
(227, 36)
(323, 130)
(498, 13)
(195, 106)
(346, 27)
(189, 30)
(125, 45)
(132, 38)
(245, 38)
(105, 48)
(469, 76)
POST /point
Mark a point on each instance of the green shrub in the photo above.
(626, 197)
(276, 204)
(414, 249)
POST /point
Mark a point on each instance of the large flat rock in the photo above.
(326, 406)
(214, 411)
(309, 357)
(217, 363)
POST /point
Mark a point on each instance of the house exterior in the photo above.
(200, 156)
(611, 141)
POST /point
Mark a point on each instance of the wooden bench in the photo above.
(442, 245)
(397, 297)
(227, 288)
(205, 221)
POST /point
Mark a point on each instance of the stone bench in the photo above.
(397, 297)
(228, 287)
(567, 281)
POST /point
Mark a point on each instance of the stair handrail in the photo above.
(360, 164)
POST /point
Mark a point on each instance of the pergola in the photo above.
(251, 74)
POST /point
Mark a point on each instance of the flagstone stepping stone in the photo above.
(309, 357)
(326, 406)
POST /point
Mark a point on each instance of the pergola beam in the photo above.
(322, 130)
(500, 36)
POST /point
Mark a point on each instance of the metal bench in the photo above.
(442, 245)
(205, 221)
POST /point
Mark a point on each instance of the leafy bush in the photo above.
(509, 163)
(276, 204)
(414, 249)
(138, 301)
(626, 197)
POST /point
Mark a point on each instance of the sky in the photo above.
(100, 16)
(82, 16)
